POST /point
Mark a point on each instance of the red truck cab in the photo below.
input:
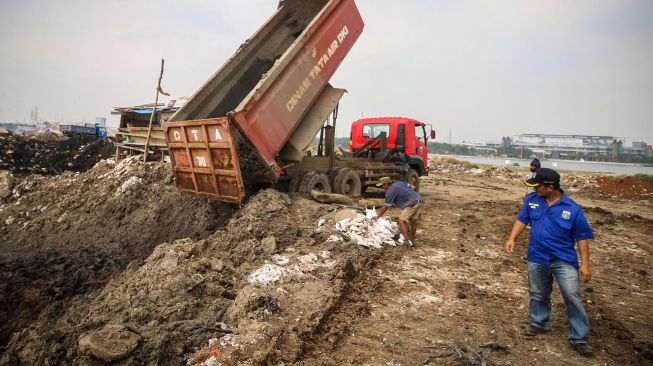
(402, 134)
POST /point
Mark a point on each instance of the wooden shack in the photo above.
(134, 123)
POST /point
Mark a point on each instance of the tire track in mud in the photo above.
(352, 305)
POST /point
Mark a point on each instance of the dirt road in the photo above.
(453, 299)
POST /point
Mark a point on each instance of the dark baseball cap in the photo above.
(536, 163)
(544, 176)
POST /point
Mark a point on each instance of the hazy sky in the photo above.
(483, 69)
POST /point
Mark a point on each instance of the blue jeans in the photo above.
(540, 281)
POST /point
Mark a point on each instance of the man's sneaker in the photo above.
(583, 349)
(410, 244)
(532, 331)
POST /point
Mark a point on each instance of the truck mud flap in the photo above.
(204, 159)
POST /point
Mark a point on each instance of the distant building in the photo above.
(549, 145)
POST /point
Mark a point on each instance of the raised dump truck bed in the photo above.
(261, 109)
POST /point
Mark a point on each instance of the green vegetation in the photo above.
(646, 178)
(343, 142)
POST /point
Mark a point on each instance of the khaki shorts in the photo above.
(411, 213)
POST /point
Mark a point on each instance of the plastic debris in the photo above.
(269, 273)
(132, 181)
(369, 233)
(333, 239)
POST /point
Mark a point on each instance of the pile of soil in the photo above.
(451, 165)
(65, 235)
(114, 265)
(191, 301)
(624, 187)
(52, 154)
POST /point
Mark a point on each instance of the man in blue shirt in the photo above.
(403, 196)
(557, 225)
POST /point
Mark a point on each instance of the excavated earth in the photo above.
(126, 270)
(49, 153)
(69, 234)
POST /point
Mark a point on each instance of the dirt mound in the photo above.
(52, 154)
(624, 187)
(69, 234)
(272, 286)
(191, 301)
(451, 165)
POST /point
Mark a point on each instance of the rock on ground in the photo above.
(110, 343)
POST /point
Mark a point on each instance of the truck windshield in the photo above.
(374, 130)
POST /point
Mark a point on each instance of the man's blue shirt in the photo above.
(555, 229)
(400, 194)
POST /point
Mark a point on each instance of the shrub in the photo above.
(647, 178)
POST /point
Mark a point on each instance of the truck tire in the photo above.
(347, 182)
(294, 182)
(413, 179)
(332, 176)
(314, 181)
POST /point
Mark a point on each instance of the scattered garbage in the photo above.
(132, 181)
(268, 274)
(471, 357)
(366, 232)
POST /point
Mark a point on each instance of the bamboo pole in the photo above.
(156, 103)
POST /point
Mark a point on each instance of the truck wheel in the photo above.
(332, 176)
(314, 181)
(413, 179)
(347, 182)
(294, 182)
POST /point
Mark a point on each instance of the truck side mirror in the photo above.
(432, 134)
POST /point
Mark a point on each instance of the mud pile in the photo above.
(624, 187)
(571, 182)
(203, 302)
(451, 165)
(49, 154)
(65, 235)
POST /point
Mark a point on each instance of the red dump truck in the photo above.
(250, 124)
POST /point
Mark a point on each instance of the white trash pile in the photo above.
(364, 231)
(304, 265)
(268, 274)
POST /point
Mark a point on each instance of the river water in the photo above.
(572, 165)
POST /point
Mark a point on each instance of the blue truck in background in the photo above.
(92, 129)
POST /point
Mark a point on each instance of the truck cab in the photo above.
(401, 134)
(100, 131)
